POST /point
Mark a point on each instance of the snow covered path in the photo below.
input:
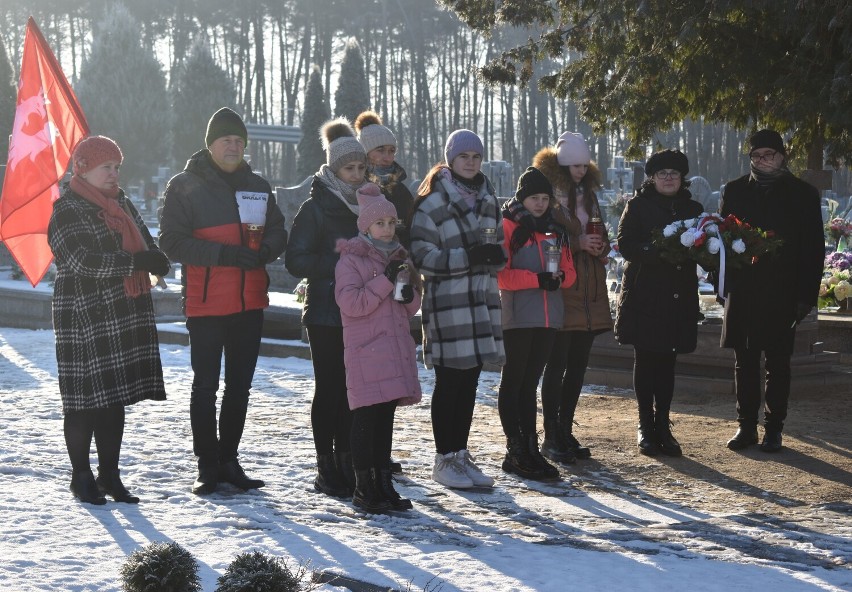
(598, 535)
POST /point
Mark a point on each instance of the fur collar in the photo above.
(558, 175)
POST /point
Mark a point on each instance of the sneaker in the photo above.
(480, 479)
(450, 473)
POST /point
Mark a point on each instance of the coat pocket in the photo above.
(374, 360)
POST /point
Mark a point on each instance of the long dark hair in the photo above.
(590, 182)
(426, 188)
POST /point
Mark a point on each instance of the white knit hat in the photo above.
(571, 148)
(371, 132)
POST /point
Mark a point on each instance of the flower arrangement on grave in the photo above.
(839, 230)
(836, 285)
(300, 290)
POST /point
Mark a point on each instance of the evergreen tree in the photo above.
(200, 87)
(316, 112)
(8, 100)
(353, 92)
(122, 90)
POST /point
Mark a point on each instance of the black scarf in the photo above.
(528, 225)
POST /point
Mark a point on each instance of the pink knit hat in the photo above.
(94, 151)
(571, 148)
(373, 206)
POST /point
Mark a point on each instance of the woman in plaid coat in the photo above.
(456, 236)
(107, 350)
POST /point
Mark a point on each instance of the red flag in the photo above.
(48, 124)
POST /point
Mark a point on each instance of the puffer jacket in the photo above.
(525, 305)
(658, 304)
(379, 351)
(200, 216)
(586, 300)
(322, 219)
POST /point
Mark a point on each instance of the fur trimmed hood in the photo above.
(558, 175)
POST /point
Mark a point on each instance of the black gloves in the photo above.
(154, 262)
(802, 311)
(242, 257)
(407, 294)
(392, 270)
(487, 254)
(546, 281)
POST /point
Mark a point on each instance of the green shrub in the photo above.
(256, 572)
(160, 567)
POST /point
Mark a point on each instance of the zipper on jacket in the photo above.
(586, 295)
(206, 283)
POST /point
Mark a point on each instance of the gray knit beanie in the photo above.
(462, 140)
(371, 133)
(340, 144)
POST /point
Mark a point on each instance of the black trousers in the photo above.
(453, 401)
(238, 336)
(331, 419)
(747, 386)
(564, 375)
(107, 426)
(653, 382)
(527, 352)
(372, 436)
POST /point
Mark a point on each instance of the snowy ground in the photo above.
(522, 536)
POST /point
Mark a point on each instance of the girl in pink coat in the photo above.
(376, 303)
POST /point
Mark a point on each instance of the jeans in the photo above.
(238, 336)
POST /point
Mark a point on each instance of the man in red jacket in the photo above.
(221, 222)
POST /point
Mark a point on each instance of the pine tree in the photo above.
(200, 87)
(8, 99)
(316, 112)
(353, 92)
(122, 90)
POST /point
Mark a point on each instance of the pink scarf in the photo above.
(117, 220)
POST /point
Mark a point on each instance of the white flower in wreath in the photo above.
(690, 223)
(687, 239)
(842, 290)
(738, 246)
(714, 245)
(711, 229)
(669, 230)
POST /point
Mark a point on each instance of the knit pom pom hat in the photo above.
(571, 148)
(341, 147)
(371, 132)
(667, 159)
(225, 122)
(372, 206)
(94, 151)
(459, 141)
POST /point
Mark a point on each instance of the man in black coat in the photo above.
(766, 300)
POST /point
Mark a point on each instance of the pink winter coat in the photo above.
(379, 351)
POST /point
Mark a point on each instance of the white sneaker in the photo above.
(450, 473)
(480, 479)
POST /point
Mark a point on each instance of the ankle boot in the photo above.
(329, 480)
(646, 439)
(367, 496)
(346, 469)
(571, 444)
(554, 446)
(208, 476)
(746, 436)
(109, 482)
(519, 461)
(85, 489)
(384, 484)
(548, 471)
(663, 431)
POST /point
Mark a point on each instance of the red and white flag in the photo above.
(48, 124)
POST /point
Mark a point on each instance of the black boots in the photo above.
(367, 495)
(208, 477)
(665, 440)
(231, 472)
(746, 436)
(109, 483)
(555, 446)
(329, 480)
(646, 437)
(524, 459)
(85, 489)
(771, 440)
(346, 468)
(548, 471)
(384, 483)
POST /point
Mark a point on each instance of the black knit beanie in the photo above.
(767, 138)
(532, 181)
(225, 122)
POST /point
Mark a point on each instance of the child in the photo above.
(456, 233)
(330, 213)
(379, 352)
(539, 265)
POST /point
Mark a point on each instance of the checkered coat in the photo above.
(462, 325)
(107, 352)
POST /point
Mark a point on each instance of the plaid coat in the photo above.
(462, 325)
(107, 351)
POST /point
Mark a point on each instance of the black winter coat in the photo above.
(762, 299)
(658, 305)
(322, 219)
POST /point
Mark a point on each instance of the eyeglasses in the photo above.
(767, 156)
(667, 174)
